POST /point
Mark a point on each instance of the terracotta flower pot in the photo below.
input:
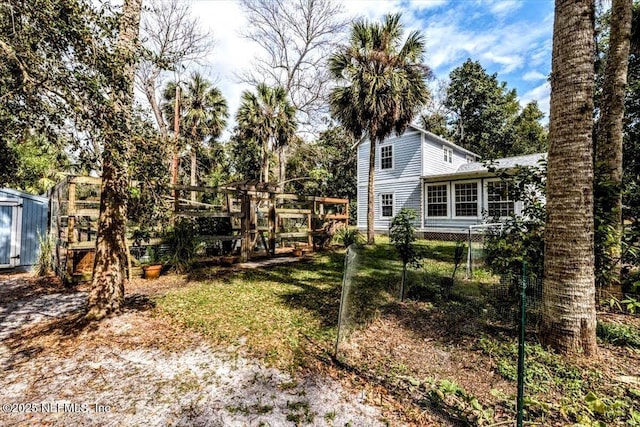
(228, 260)
(152, 271)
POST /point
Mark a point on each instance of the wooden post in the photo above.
(272, 224)
(71, 221)
(309, 230)
(346, 211)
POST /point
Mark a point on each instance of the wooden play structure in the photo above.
(235, 222)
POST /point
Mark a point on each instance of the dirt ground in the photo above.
(138, 369)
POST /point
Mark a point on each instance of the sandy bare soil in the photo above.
(138, 369)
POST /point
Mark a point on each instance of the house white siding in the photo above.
(419, 159)
(434, 163)
(402, 179)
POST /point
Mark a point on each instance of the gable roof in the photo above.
(473, 169)
(430, 135)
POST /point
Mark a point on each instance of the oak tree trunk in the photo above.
(109, 270)
(569, 312)
(608, 159)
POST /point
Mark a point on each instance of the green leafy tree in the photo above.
(529, 136)
(521, 237)
(381, 86)
(49, 75)
(109, 270)
(402, 234)
(326, 167)
(244, 154)
(268, 118)
(483, 111)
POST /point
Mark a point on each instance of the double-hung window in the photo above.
(386, 157)
(437, 200)
(466, 197)
(499, 203)
(447, 154)
(386, 205)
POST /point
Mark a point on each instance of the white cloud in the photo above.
(504, 42)
(231, 53)
(502, 8)
(533, 76)
(542, 94)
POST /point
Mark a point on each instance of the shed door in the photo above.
(10, 233)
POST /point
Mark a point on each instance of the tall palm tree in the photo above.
(203, 113)
(569, 312)
(383, 86)
(608, 153)
(267, 116)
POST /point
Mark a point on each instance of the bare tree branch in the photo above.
(296, 37)
(171, 37)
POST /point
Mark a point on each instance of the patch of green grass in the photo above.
(620, 335)
(300, 412)
(274, 310)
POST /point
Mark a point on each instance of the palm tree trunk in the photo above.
(282, 164)
(194, 170)
(265, 162)
(608, 159)
(371, 238)
(569, 312)
(109, 270)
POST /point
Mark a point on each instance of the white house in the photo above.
(445, 183)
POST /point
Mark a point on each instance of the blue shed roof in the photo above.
(23, 195)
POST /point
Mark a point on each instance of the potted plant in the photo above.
(153, 265)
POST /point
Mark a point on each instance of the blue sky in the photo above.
(508, 37)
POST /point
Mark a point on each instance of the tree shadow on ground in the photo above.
(59, 332)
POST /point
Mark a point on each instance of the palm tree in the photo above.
(268, 117)
(203, 113)
(608, 153)
(383, 86)
(569, 312)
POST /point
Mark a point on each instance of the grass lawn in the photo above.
(453, 355)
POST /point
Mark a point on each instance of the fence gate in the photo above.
(10, 227)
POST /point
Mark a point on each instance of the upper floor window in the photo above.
(437, 200)
(448, 154)
(386, 157)
(386, 205)
(499, 203)
(466, 199)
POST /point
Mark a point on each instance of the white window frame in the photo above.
(447, 154)
(516, 207)
(15, 232)
(393, 205)
(478, 199)
(448, 203)
(392, 157)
